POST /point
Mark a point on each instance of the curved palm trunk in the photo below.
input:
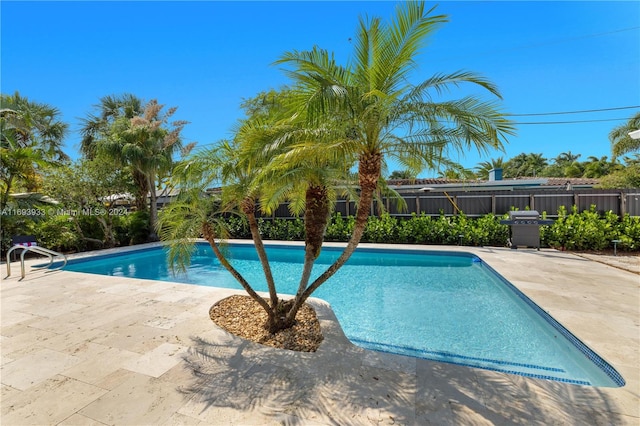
(316, 218)
(369, 168)
(209, 235)
(249, 208)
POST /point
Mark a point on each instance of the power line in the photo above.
(540, 44)
(570, 39)
(570, 122)
(574, 112)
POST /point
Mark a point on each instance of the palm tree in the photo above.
(385, 114)
(535, 164)
(525, 165)
(621, 142)
(598, 167)
(96, 126)
(259, 167)
(456, 173)
(96, 129)
(147, 144)
(566, 158)
(483, 168)
(340, 116)
(31, 137)
(402, 174)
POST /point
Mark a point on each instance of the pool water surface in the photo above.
(443, 306)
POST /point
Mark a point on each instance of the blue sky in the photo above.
(205, 57)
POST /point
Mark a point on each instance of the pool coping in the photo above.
(613, 308)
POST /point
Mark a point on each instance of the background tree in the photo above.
(402, 174)
(597, 167)
(560, 165)
(138, 138)
(97, 128)
(456, 173)
(89, 188)
(525, 165)
(621, 142)
(483, 168)
(31, 136)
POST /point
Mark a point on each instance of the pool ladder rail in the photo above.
(36, 249)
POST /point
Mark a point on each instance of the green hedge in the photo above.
(571, 231)
(584, 231)
(590, 230)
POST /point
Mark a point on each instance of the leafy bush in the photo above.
(238, 227)
(339, 228)
(282, 229)
(591, 231)
(421, 229)
(137, 228)
(383, 229)
(57, 233)
(588, 230)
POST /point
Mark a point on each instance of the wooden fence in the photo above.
(479, 203)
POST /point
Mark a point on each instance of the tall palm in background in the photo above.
(97, 128)
(566, 158)
(147, 143)
(386, 115)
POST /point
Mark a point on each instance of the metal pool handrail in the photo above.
(36, 249)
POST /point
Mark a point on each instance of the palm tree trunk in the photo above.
(316, 218)
(369, 168)
(153, 209)
(209, 235)
(142, 186)
(248, 207)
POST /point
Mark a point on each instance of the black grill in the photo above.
(525, 228)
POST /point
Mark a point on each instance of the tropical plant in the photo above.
(144, 141)
(626, 177)
(256, 168)
(564, 165)
(621, 140)
(566, 158)
(456, 173)
(31, 137)
(90, 189)
(402, 174)
(483, 168)
(598, 167)
(97, 129)
(148, 144)
(360, 114)
(386, 115)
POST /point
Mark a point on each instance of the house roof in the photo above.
(439, 184)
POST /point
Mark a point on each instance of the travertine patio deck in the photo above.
(81, 349)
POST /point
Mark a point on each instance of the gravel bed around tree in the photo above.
(244, 317)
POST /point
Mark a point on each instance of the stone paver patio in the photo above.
(82, 349)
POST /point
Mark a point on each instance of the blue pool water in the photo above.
(448, 307)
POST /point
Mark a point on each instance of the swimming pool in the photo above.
(442, 306)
